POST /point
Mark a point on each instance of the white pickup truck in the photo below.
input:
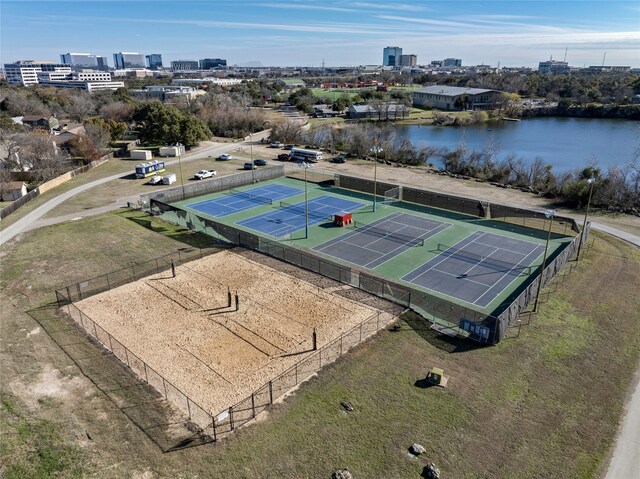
(202, 174)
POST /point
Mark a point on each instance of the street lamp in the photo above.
(591, 181)
(549, 214)
(253, 174)
(306, 165)
(376, 149)
(180, 145)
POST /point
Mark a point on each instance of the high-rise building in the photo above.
(184, 65)
(124, 60)
(154, 61)
(451, 62)
(83, 60)
(209, 63)
(408, 60)
(391, 56)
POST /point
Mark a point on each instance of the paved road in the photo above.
(27, 222)
(625, 463)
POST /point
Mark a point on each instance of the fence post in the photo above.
(231, 417)
(146, 375)
(126, 354)
(270, 392)
(360, 332)
(296, 373)
(110, 344)
(164, 385)
(253, 404)
(213, 426)
(188, 406)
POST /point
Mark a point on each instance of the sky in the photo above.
(338, 32)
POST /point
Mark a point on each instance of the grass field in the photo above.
(544, 404)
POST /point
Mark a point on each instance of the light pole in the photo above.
(376, 148)
(549, 214)
(253, 174)
(591, 181)
(180, 145)
(306, 165)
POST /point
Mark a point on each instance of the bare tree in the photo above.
(80, 107)
(118, 111)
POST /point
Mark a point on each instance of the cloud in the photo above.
(389, 6)
(289, 6)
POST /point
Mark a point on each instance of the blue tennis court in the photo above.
(237, 200)
(288, 218)
(478, 268)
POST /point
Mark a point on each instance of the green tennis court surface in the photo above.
(470, 260)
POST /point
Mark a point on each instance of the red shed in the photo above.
(342, 219)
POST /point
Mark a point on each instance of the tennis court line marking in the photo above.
(446, 225)
(510, 282)
(438, 263)
(480, 235)
(389, 219)
(509, 250)
(466, 279)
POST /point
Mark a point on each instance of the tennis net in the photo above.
(300, 209)
(251, 197)
(392, 235)
(492, 263)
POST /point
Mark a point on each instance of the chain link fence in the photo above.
(192, 190)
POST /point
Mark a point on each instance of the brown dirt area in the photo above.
(183, 328)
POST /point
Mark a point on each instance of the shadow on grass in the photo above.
(164, 425)
(184, 235)
(441, 341)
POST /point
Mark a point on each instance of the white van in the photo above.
(169, 179)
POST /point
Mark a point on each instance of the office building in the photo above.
(451, 62)
(446, 97)
(84, 60)
(184, 65)
(124, 60)
(408, 60)
(209, 63)
(25, 72)
(154, 61)
(391, 56)
(553, 67)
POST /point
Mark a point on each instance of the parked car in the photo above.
(225, 157)
(260, 162)
(202, 174)
(154, 180)
(284, 157)
(276, 144)
(288, 147)
(339, 159)
(250, 166)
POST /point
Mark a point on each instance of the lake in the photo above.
(566, 143)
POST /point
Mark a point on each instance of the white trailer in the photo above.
(141, 154)
(169, 179)
(172, 150)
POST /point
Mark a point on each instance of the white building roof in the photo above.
(452, 90)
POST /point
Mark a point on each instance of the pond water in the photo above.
(566, 143)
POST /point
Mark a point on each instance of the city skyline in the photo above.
(338, 32)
